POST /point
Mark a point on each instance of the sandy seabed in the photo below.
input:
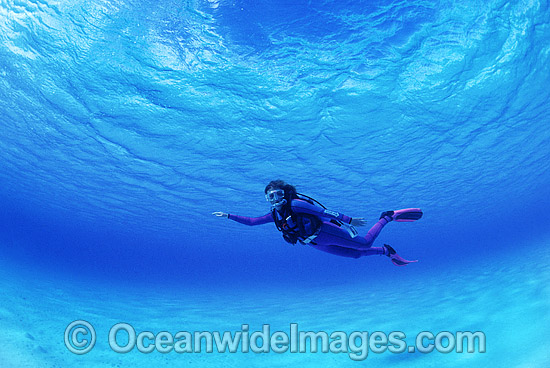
(508, 299)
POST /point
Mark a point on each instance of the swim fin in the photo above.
(395, 258)
(404, 215)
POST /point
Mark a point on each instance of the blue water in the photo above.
(125, 124)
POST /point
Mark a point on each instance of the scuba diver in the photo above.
(302, 219)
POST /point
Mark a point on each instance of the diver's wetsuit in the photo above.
(331, 238)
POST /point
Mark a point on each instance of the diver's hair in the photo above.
(290, 190)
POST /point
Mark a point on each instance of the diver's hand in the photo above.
(358, 221)
(220, 214)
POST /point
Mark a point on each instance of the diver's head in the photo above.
(278, 193)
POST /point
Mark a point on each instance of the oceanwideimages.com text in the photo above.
(80, 338)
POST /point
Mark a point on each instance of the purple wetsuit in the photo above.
(331, 238)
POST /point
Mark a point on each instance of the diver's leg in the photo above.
(375, 230)
(334, 235)
(335, 240)
(405, 215)
(341, 236)
(387, 251)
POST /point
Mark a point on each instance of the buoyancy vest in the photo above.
(297, 226)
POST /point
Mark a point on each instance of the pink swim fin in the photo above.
(395, 258)
(404, 215)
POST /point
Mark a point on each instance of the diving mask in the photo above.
(276, 197)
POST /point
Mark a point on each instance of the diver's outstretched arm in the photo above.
(250, 221)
